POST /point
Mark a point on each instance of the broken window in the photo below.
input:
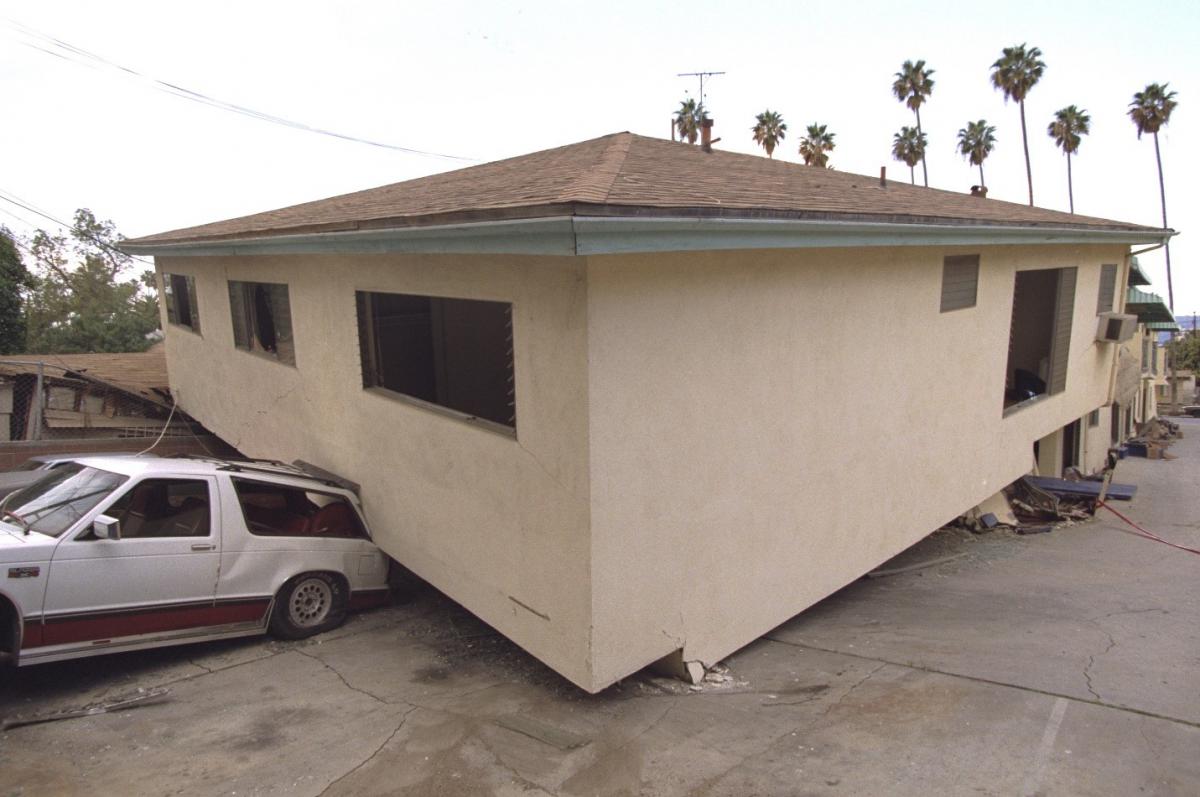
(1039, 339)
(163, 508)
(179, 296)
(454, 353)
(262, 319)
(274, 510)
(960, 282)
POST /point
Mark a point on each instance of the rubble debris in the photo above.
(142, 697)
(1154, 438)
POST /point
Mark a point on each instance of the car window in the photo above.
(55, 502)
(163, 508)
(274, 510)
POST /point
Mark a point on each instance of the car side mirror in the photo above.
(106, 528)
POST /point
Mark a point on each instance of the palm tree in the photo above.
(769, 130)
(1069, 126)
(912, 86)
(909, 146)
(816, 145)
(975, 142)
(687, 120)
(1150, 110)
(1015, 73)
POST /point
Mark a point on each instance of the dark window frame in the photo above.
(179, 298)
(261, 315)
(440, 342)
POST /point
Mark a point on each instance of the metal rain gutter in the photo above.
(594, 235)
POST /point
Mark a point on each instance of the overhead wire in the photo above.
(13, 199)
(51, 45)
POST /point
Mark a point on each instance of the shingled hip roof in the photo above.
(634, 178)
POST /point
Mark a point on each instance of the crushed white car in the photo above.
(109, 554)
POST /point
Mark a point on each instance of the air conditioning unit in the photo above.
(1115, 327)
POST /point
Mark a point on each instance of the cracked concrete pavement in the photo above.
(1062, 663)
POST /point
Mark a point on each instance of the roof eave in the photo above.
(594, 235)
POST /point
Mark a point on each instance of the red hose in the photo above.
(1141, 532)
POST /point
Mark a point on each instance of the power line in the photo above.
(61, 49)
(13, 199)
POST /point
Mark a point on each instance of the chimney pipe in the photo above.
(706, 140)
(883, 176)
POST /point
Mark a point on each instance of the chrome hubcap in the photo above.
(310, 603)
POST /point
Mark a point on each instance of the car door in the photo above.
(158, 578)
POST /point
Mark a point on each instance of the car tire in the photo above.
(308, 604)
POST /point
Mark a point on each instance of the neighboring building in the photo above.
(1153, 318)
(600, 395)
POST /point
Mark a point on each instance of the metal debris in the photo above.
(142, 697)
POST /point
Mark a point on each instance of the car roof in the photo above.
(149, 465)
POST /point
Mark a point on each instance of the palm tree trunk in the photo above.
(1025, 141)
(982, 184)
(1162, 193)
(1070, 187)
(924, 168)
(912, 174)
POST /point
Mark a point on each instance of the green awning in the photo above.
(1148, 307)
(1136, 275)
(1162, 326)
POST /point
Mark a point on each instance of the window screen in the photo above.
(179, 296)
(1064, 313)
(455, 353)
(960, 282)
(262, 319)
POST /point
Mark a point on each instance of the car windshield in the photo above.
(54, 504)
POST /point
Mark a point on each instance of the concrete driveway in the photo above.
(1064, 663)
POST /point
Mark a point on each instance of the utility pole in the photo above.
(700, 75)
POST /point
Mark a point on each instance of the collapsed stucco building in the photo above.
(604, 395)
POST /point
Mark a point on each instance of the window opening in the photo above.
(1040, 334)
(179, 296)
(452, 353)
(275, 510)
(163, 508)
(262, 319)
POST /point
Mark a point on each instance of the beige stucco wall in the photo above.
(767, 426)
(488, 519)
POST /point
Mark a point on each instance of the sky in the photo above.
(482, 81)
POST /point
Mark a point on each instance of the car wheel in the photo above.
(307, 605)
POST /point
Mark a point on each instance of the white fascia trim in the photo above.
(596, 235)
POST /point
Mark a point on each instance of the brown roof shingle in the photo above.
(627, 174)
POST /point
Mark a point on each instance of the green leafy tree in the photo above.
(1068, 128)
(1016, 72)
(14, 282)
(769, 129)
(687, 120)
(83, 298)
(816, 146)
(909, 146)
(1185, 352)
(912, 86)
(975, 142)
(1150, 111)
